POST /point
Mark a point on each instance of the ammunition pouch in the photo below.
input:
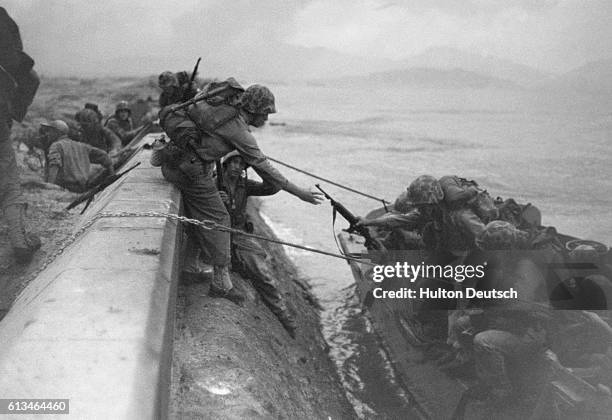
(172, 155)
(185, 161)
(192, 168)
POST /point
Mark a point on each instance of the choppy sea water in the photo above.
(551, 149)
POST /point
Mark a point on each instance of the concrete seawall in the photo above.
(95, 326)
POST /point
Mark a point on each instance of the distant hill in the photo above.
(286, 63)
(593, 77)
(451, 58)
(425, 77)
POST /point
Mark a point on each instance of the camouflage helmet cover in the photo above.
(258, 99)
(499, 235)
(425, 190)
(402, 204)
(123, 106)
(168, 79)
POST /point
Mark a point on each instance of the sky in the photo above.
(309, 38)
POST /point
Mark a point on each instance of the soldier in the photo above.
(97, 136)
(176, 88)
(248, 257)
(68, 161)
(449, 231)
(189, 164)
(18, 85)
(93, 107)
(514, 327)
(121, 123)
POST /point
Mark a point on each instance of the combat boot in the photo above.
(288, 323)
(24, 245)
(222, 286)
(283, 315)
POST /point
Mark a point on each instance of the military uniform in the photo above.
(203, 133)
(10, 45)
(18, 85)
(123, 128)
(448, 230)
(182, 91)
(73, 160)
(248, 257)
(192, 163)
(95, 135)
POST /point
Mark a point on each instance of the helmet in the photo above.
(258, 99)
(168, 79)
(122, 106)
(88, 116)
(499, 235)
(59, 125)
(229, 156)
(584, 254)
(425, 190)
(402, 204)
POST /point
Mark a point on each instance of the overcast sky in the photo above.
(87, 37)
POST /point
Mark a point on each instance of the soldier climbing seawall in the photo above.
(18, 85)
(121, 123)
(248, 256)
(176, 87)
(201, 133)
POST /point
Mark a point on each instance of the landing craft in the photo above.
(546, 385)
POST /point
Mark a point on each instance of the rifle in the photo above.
(89, 195)
(228, 84)
(370, 242)
(195, 71)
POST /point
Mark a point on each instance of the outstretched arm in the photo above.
(408, 220)
(236, 132)
(100, 156)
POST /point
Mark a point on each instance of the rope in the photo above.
(382, 200)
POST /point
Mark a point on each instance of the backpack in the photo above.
(225, 92)
(461, 193)
(216, 105)
(523, 216)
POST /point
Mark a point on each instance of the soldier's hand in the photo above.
(361, 221)
(312, 197)
(224, 196)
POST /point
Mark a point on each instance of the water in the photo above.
(550, 149)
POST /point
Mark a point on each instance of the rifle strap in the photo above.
(334, 213)
(219, 168)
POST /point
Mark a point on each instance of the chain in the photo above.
(210, 225)
(65, 243)
(204, 224)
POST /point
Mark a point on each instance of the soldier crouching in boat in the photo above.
(448, 230)
(190, 161)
